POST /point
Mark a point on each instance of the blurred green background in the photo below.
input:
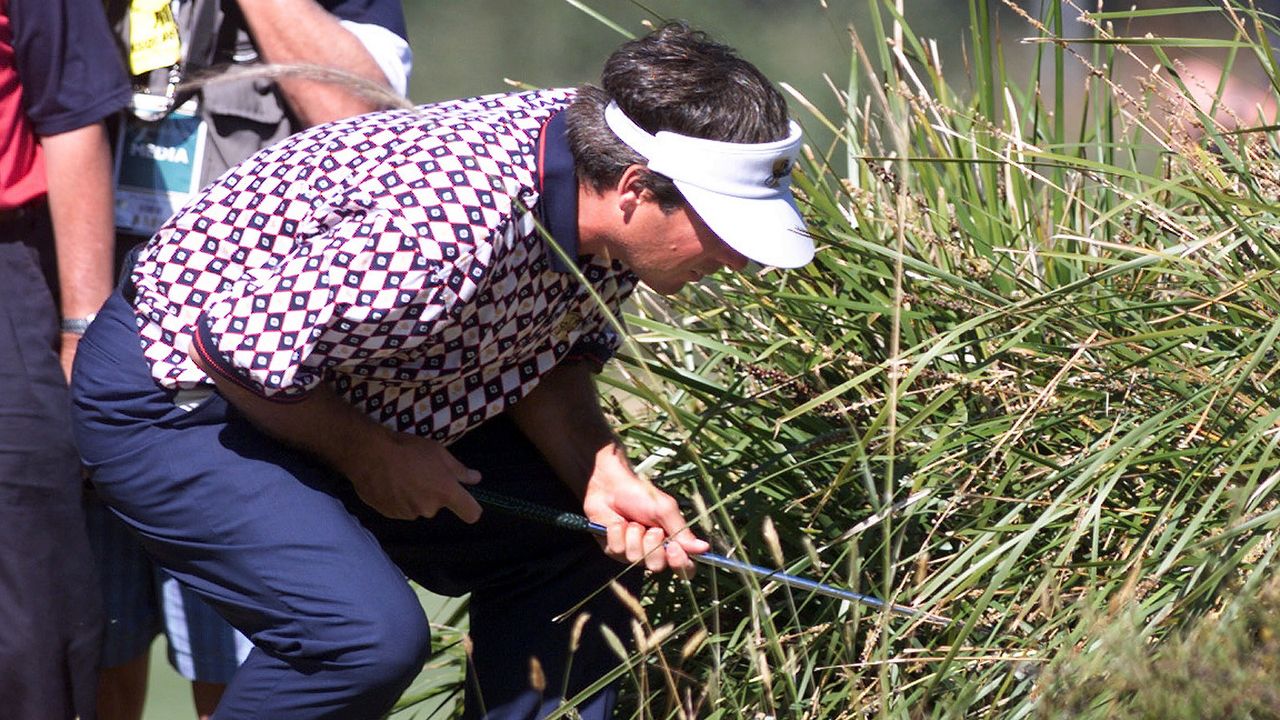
(471, 47)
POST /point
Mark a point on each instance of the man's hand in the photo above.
(644, 523)
(67, 353)
(406, 477)
(562, 417)
(401, 476)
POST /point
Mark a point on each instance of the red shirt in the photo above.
(21, 163)
(60, 70)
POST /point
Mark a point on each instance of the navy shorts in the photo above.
(141, 601)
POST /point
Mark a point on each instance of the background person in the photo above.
(59, 77)
(170, 146)
(384, 324)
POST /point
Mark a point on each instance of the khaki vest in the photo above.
(244, 116)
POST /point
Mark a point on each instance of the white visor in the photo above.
(741, 191)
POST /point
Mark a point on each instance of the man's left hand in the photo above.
(644, 523)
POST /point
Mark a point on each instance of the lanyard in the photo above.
(155, 52)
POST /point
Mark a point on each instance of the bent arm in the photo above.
(401, 476)
(302, 32)
(78, 165)
(563, 418)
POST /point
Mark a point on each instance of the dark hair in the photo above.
(674, 79)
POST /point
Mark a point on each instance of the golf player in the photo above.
(323, 350)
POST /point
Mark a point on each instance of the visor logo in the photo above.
(781, 168)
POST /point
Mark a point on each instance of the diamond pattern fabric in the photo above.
(395, 255)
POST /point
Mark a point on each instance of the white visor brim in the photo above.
(769, 231)
(742, 191)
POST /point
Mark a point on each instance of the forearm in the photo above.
(311, 424)
(78, 165)
(563, 419)
(302, 32)
(400, 475)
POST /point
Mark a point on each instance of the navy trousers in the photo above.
(284, 549)
(50, 607)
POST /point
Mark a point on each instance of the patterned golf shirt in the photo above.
(396, 255)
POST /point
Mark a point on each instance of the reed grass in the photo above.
(1027, 383)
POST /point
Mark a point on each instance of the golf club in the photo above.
(574, 521)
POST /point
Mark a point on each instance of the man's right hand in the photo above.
(401, 476)
(406, 477)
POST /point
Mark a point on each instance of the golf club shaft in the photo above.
(574, 521)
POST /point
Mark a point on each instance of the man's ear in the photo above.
(631, 189)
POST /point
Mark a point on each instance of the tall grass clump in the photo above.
(1221, 667)
(1026, 384)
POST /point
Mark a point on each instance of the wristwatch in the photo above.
(77, 326)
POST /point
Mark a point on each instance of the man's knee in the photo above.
(380, 651)
(398, 646)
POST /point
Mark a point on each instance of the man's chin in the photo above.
(665, 287)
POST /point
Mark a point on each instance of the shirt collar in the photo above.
(558, 181)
